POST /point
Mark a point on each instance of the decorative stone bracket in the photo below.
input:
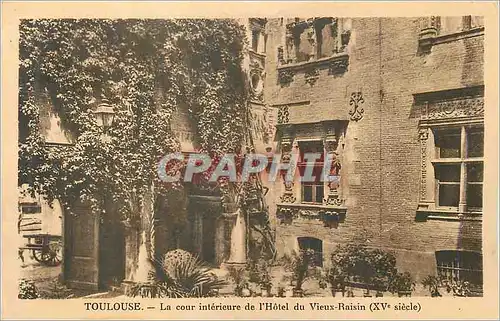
(336, 65)
(331, 216)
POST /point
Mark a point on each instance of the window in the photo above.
(255, 40)
(460, 265)
(449, 25)
(314, 244)
(458, 167)
(315, 38)
(30, 208)
(312, 191)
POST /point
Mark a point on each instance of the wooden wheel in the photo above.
(55, 250)
(51, 255)
(41, 256)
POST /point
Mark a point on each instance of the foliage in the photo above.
(259, 272)
(27, 290)
(146, 69)
(192, 276)
(402, 282)
(432, 283)
(458, 287)
(358, 263)
(238, 276)
(337, 278)
(301, 265)
(185, 276)
(451, 285)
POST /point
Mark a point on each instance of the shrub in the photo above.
(402, 282)
(301, 265)
(357, 263)
(27, 290)
(180, 275)
(237, 275)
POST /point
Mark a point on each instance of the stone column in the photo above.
(238, 251)
(423, 135)
(331, 144)
(286, 157)
(131, 254)
(462, 204)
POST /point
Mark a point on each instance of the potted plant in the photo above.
(299, 264)
(265, 281)
(403, 284)
(432, 283)
(237, 275)
(337, 279)
(458, 287)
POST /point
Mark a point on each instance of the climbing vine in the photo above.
(146, 69)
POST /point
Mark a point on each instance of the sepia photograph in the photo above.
(255, 158)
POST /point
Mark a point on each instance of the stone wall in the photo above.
(381, 156)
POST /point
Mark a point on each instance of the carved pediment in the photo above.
(451, 105)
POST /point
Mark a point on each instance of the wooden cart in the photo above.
(46, 248)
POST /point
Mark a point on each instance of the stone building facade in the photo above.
(399, 103)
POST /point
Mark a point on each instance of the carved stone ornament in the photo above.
(423, 135)
(283, 114)
(285, 77)
(467, 107)
(338, 67)
(357, 110)
(311, 76)
(281, 55)
(286, 215)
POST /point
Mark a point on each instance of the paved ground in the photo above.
(46, 279)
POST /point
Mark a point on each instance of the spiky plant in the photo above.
(193, 276)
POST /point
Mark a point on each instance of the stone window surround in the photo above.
(442, 110)
(337, 63)
(429, 35)
(333, 210)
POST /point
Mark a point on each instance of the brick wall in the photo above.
(381, 157)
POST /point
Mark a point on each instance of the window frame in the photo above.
(454, 264)
(318, 165)
(463, 161)
(305, 243)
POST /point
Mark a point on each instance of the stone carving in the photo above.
(286, 150)
(356, 101)
(338, 67)
(311, 76)
(435, 22)
(468, 107)
(283, 114)
(344, 39)
(423, 135)
(281, 57)
(286, 215)
(330, 216)
(285, 77)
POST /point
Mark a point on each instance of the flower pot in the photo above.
(379, 294)
(265, 292)
(298, 293)
(334, 292)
